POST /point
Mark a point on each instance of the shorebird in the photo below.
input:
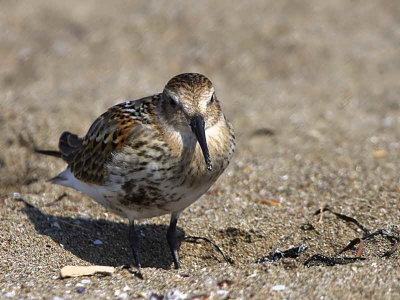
(151, 156)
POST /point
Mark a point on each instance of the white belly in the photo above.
(110, 197)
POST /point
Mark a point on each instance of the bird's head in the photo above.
(190, 104)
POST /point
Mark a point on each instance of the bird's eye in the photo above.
(171, 98)
(173, 101)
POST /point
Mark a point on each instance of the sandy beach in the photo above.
(312, 89)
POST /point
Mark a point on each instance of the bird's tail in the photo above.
(69, 144)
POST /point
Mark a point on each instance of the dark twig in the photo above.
(319, 259)
(367, 234)
(350, 245)
(59, 198)
(344, 217)
(196, 239)
(392, 250)
(393, 239)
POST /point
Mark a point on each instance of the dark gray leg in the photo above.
(134, 243)
(172, 240)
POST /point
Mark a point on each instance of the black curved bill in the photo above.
(197, 125)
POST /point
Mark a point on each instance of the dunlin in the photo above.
(152, 156)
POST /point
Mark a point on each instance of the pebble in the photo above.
(126, 288)
(97, 242)
(80, 289)
(85, 281)
(223, 293)
(175, 295)
(279, 287)
(16, 195)
(285, 177)
(10, 294)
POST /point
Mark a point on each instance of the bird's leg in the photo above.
(134, 243)
(172, 239)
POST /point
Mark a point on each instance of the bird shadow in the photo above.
(104, 242)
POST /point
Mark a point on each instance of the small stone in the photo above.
(225, 283)
(120, 295)
(175, 295)
(10, 294)
(380, 153)
(154, 296)
(97, 242)
(80, 289)
(85, 281)
(285, 177)
(209, 281)
(279, 287)
(223, 293)
(16, 195)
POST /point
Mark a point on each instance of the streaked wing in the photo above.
(109, 133)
